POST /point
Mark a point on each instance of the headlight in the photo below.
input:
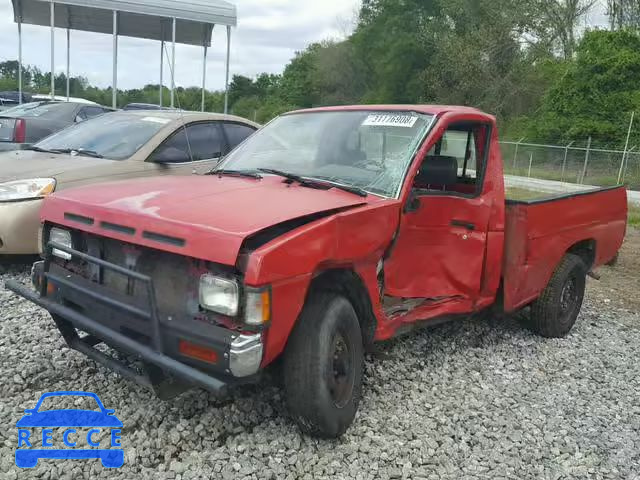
(61, 237)
(257, 309)
(219, 295)
(26, 189)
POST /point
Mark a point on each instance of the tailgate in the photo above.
(539, 233)
(7, 127)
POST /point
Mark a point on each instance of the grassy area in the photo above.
(634, 216)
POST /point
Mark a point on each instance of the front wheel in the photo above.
(323, 366)
(555, 312)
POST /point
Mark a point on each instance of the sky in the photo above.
(269, 32)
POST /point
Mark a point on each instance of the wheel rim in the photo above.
(568, 298)
(340, 371)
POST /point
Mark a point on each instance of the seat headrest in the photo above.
(438, 170)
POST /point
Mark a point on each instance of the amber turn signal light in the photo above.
(197, 352)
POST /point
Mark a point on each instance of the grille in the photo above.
(175, 277)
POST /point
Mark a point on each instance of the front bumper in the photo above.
(19, 224)
(78, 304)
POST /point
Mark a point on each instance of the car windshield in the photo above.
(114, 136)
(369, 150)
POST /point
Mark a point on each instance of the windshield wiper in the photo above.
(35, 148)
(77, 151)
(315, 183)
(236, 173)
(355, 190)
(289, 176)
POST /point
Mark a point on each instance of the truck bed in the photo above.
(538, 233)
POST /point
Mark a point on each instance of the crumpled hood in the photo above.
(206, 217)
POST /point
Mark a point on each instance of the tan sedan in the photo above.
(118, 145)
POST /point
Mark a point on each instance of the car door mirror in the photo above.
(78, 119)
(170, 155)
(413, 202)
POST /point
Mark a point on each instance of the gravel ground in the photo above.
(475, 399)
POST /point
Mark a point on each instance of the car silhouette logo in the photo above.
(70, 419)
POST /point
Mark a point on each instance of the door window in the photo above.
(200, 141)
(237, 133)
(466, 145)
(90, 112)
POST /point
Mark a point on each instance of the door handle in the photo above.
(463, 224)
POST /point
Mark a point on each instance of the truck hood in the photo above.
(205, 217)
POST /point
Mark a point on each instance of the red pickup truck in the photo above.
(328, 230)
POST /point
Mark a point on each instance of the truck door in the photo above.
(439, 251)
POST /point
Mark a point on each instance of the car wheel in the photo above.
(555, 312)
(323, 366)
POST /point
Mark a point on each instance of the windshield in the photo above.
(365, 149)
(113, 136)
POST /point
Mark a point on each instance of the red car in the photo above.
(328, 230)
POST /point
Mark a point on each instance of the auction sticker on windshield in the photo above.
(390, 120)
(69, 433)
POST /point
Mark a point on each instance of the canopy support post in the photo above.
(52, 13)
(226, 83)
(204, 76)
(114, 100)
(68, 60)
(20, 60)
(161, 65)
(173, 61)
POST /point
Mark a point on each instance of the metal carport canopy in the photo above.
(193, 20)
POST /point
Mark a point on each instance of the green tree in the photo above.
(596, 94)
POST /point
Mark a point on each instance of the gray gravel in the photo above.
(483, 399)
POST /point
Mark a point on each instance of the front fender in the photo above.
(354, 239)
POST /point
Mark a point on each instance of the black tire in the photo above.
(323, 366)
(555, 312)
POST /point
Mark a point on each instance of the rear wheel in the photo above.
(323, 366)
(555, 312)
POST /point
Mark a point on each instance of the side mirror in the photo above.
(170, 155)
(78, 119)
(413, 203)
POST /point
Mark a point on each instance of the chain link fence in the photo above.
(580, 165)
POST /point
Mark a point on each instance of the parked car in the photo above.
(9, 99)
(144, 106)
(25, 124)
(328, 230)
(45, 97)
(118, 145)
